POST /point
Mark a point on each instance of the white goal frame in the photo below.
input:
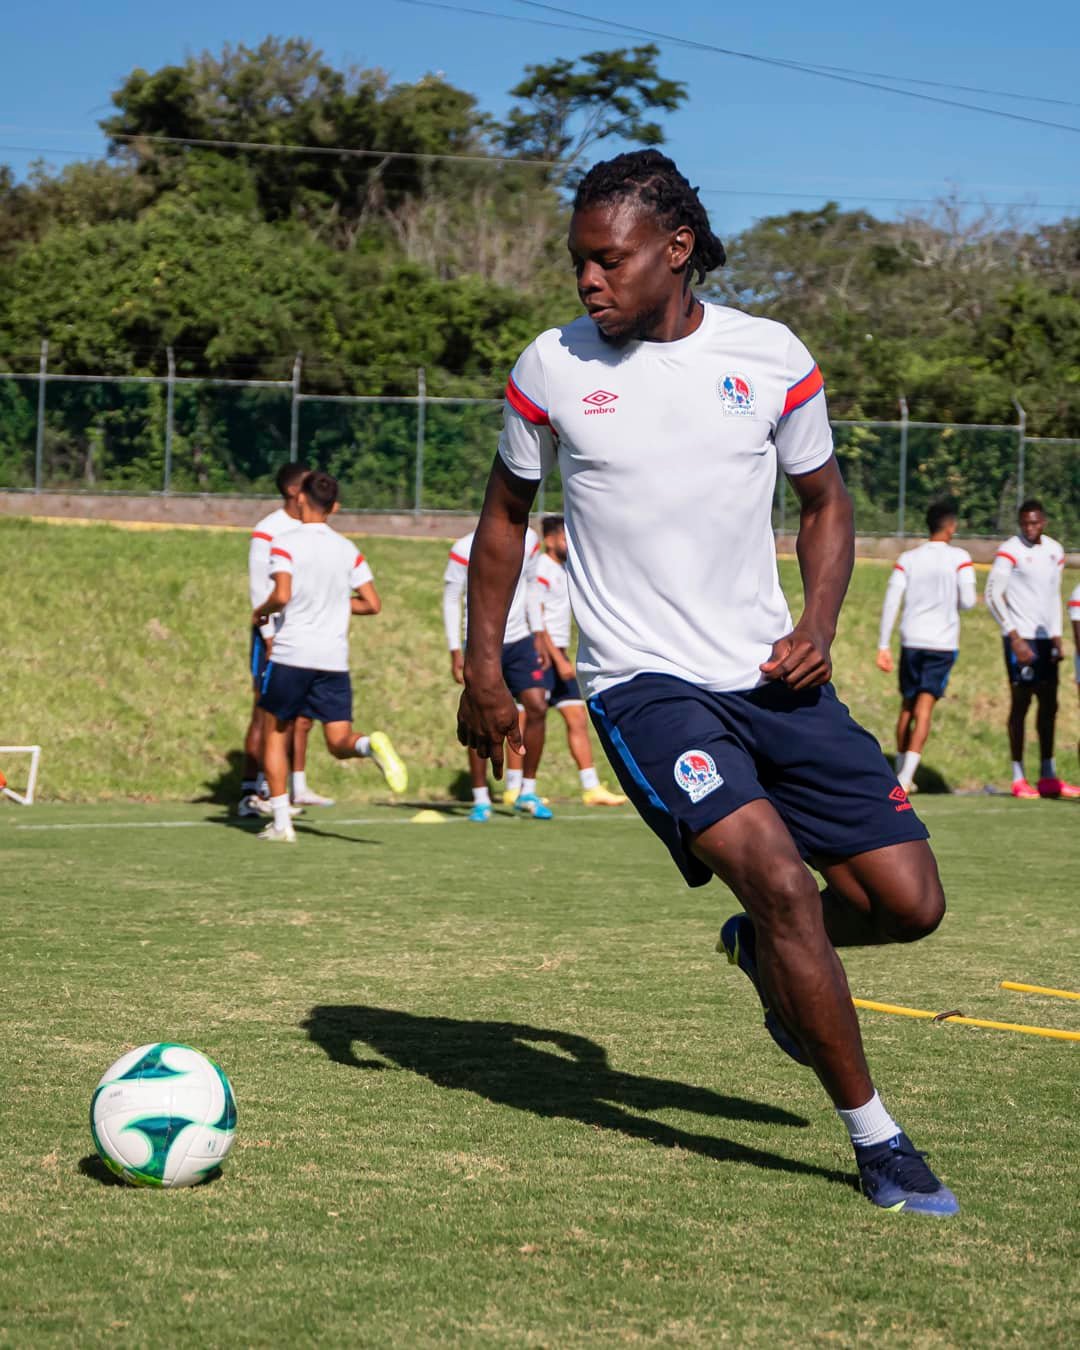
(34, 751)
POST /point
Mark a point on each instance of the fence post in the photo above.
(1021, 427)
(170, 391)
(421, 417)
(901, 496)
(294, 412)
(39, 446)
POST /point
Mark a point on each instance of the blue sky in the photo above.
(746, 130)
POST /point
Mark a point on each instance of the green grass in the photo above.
(495, 1089)
(124, 655)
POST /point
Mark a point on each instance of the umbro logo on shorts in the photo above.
(900, 797)
(598, 401)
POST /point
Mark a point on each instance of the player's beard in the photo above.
(636, 328)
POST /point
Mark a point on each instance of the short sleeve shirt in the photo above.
(325, 568)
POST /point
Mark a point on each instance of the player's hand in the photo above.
(563, 668)
(457, 666)
(884, 660)
(800, 660)
(1056, 651)
(1022, 651)
(543, 656)
(269, 647)
(488, 716)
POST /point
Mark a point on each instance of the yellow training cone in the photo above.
(428, 818)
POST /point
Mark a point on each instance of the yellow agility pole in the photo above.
(1039, 989)
(871, 1006)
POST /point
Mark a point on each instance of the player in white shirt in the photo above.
(1074, 616)
(668, 419)
(319, 581)
(1023, 593)
(554, 594)
(526, 669)
(933, 583)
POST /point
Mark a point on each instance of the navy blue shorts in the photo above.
(294, 691)
(565, 691)
(924, 672)
(687, 758)
(1043, 670)
(258, 656)
(520, 668)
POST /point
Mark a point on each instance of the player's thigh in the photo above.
(924, 705)
(339, 736)
(899, 884)
(574, 715)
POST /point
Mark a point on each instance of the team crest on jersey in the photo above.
(736, 394)
(695, 773)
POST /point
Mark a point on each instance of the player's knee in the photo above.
(918, 914)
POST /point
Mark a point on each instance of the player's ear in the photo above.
(335, 508)
(680, 247)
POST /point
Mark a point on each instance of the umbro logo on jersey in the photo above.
(598, 401)
(900, 797)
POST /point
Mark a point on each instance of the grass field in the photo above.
(495, 1089)
(124, 655)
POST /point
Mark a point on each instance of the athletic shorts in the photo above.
(258, 656)
(521, 669)
(1043, 670)
(565, 691)
(687, 758)
(294, 691)
(924, 672)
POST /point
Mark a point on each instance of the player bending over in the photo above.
(554, 595)
(933, 582)
(714, 707)
(1023, 593)
(319, 580)
(526, 669)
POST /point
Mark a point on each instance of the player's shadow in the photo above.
(224, 790)
(507, 1063)
(929, 781)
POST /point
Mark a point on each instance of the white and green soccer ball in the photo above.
(163, 1115)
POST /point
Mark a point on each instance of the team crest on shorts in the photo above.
(736, 394)
(695, 773)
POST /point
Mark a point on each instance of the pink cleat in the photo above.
(1022, 788)
(1057, 787)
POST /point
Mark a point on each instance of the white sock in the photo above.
(1018, 771)
(299, 782)
(282, 819)
(869, 1124)
(513, 780)
(363, 747)
(1049, 768)
(589, 778)
(261, 786)
(528, 787)
(481, 796)
(908, 765)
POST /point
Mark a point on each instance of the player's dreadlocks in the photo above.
(655, 181)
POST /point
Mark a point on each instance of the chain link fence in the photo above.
(174, 434)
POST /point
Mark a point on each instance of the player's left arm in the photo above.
(278, 598)
(365, 599)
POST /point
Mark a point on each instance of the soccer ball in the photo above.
(163, 1115)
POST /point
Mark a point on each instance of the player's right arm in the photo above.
(258, 574)
(965, 583)
(997, 602)
(455, 580)
(894, 595)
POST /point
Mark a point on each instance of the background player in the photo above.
(933, 582)
(1074, 615)
(319, 580)
(714, 707)
(554, 594)
(526, 669)
(1023, 593)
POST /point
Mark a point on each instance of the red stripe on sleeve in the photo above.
(280, 553)
(963, 565)
(1002, 554)
(260, 534)
(456, 557)
(359, 560)
(803, 391)
(1074, 604)
(536, 550)
(544, 582)
(522, 404)
(897, 567)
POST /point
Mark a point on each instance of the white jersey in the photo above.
(524, 617)
(934, 582)
(1023, 590)
(554, 595)
(669, 454)
(1074, 616)
(259, 583)
(325, 570)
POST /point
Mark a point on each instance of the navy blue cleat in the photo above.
(894, 1175)
(739, 942)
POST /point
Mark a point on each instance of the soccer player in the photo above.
(1074, 615)
(668, 417)
(1023, 593)
(554, 596)
(526, 669)
(933, 582)
(319, 580)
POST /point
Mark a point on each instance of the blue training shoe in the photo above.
(481, 813)
(529, 804)
(739, 942)
(894, 1175)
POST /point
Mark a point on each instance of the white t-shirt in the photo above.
(259, 583)
(554, 594)
(934, 581)
(325, 570)
(669, 453)
(1023, 590)
(524, 616)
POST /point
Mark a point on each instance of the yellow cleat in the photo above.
(389, 762)
(600, 796)
(510, 796)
